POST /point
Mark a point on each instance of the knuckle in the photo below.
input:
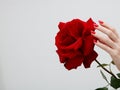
(113, 29)
(110, 33)
(104, 39)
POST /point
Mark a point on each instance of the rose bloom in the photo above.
(75, 43)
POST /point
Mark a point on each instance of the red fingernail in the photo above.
(95, 41)
(95, 25)
(92, 32)
(101, 22)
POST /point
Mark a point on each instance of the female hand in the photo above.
(110, 41)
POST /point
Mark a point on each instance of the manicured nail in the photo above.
(95, 41)
(101, 22)
(92, 32)
(95, 25)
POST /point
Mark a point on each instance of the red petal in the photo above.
(74, 62)
(88, 45)
(67, 54)
(90, 24)
(88, 28)
(61, 25)
(62, 40)
(89, 59)
(75, 45)
(75, 28)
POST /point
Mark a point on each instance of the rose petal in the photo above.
(76, 45)
(88, 28)
(89, 59)
(75, 28)
(88, 45)
(62, 40)
(67, 54)
(61, 25)
(90, 24)
(61, 57)
(74, 62)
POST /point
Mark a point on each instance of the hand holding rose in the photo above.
(110, 42)
(75, 43)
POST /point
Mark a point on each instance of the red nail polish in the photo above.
(95, 25)
(92, 32)
(101, 22)
(95, 41)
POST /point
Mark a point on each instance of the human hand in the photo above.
(108, 41)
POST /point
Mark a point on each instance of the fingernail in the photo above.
(95, 41)
(95, 25)
(92, 32)
(100, 21)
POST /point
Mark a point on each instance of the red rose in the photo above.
(75, 43)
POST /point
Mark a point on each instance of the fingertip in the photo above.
(92, 32)
(95, 41)
(100, 21)
(96, 25)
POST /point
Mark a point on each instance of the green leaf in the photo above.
(118, 75)
(103, 65)
(104, 77)
(112, 62)
(115, 83)
(104, 88)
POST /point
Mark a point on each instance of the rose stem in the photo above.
(106, 69)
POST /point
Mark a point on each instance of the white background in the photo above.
(28, 60)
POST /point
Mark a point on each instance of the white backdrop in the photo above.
(28, 60)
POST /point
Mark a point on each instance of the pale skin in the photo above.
(110, 42)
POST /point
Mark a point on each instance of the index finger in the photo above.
(108, 32)
(108, 27)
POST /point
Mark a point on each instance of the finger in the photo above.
(103, 46)
(104, 39)
(108, 27)
(106, 31)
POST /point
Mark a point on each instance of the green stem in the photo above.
(106, 69)
(110, 67)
